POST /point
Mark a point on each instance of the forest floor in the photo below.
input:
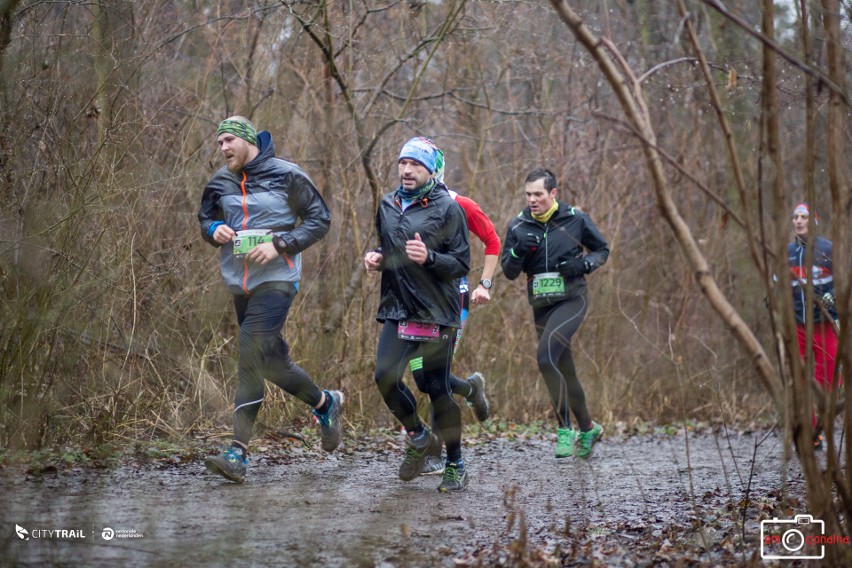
(666, 496)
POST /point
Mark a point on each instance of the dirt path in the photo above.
(632, 502)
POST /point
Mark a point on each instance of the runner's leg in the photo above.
(392, 356)
(273, 307)
(437, 358)
(256, 322)
(556, 326)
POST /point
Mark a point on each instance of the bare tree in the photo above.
(788, 389)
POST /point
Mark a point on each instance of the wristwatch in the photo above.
(486, 283)
(279, 244)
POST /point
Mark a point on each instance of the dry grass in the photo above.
(114, 321)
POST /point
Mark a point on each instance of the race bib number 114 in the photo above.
(245, 241)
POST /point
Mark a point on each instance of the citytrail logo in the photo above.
(41, 534)
(107, 533)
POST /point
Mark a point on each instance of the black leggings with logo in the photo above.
(392, 357)
(555, 326)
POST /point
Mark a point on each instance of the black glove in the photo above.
(526, 244)
(573, 267)
(828, 300)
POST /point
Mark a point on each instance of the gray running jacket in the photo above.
(269, 193)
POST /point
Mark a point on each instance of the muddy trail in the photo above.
(693, 496)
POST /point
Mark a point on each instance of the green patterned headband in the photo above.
(241, 128)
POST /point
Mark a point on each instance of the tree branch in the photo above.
(771, 44)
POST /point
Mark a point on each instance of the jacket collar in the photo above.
(563, 212)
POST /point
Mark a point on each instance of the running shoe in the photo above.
(477, 399)
(455, 477)
(565, 440)
(433, 465)
(416, 453)
(229, 465)
(330, 431)
(585, 440)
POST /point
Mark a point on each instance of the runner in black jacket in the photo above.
(423, 251)
(547, 241)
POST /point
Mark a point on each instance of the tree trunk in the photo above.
(6, 9)
(630, 97)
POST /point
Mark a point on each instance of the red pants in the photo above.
(825, 352)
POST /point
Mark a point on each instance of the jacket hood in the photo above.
(266, 150)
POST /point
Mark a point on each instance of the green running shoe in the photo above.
(415, 455)
(565, 440)
(455, 477)
(229, 465)
(585, 440)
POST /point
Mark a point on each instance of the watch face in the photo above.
(486, 284)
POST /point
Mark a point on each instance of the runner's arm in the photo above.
(512, 263)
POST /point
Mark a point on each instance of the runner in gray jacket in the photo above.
(250, 210)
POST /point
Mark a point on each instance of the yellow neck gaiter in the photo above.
(545, 217)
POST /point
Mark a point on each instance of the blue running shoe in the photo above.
(229, 465)
(330, 430)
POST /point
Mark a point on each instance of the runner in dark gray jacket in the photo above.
(251, 209)
(556, 245)
(423, 251)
